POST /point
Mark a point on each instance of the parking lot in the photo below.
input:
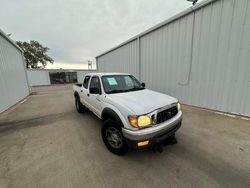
(44, 142)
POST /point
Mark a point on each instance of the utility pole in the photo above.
(89, 64)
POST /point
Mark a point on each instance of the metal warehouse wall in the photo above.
(124, 59)
(38, 77)
(13, 79)
(202, 57)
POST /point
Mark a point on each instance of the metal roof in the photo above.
(168, 21)
(10, 40)
(106, 73)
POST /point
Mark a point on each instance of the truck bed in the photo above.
(79, 85)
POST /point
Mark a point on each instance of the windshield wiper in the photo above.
(123, 91)
(135, 89)
(116, 91)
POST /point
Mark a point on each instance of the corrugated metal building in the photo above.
(201, 56)
(43, 76)
(13, 79)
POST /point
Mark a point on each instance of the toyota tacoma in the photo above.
(132, 115)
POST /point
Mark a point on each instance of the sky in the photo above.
(78, 30)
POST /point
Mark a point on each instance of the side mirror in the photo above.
(143, 84)
(94, 90)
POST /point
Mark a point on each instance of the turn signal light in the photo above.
(133, 121)
(143, 143)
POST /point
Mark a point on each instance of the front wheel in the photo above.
(113, 138)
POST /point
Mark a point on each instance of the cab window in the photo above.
(95, 83)
(86, 82)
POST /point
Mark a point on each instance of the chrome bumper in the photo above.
(154, 131)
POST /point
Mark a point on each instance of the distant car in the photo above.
(131, 114)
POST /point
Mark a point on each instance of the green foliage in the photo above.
(35, 54)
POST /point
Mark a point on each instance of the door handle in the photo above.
(98, 99)
(88, 95)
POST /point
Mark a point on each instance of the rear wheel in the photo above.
(79, 106)
(113, 138)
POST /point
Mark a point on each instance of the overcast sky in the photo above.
(78, 30)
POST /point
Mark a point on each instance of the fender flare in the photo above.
(108, 113)
(76, 95)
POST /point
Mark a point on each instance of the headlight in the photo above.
(178, 106)
(144, 121)
(140, 121)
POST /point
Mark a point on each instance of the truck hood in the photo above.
(142, 101)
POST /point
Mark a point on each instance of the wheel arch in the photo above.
(76, 95)
(108, 113)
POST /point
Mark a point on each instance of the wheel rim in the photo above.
(114, 137)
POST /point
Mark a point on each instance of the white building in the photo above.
(13, 79)
(43, 77)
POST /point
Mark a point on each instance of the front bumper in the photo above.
(156, 133)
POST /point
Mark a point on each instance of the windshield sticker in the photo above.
(112, 81)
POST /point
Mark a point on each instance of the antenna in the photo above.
(194, 1)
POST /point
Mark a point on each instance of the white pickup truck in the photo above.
(131, 114)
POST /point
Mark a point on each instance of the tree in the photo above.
(35, 54)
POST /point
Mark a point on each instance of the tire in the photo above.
(113, 138)
(79, 106)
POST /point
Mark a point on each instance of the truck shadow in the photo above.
(32, 122)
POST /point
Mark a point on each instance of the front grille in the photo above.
(166, 114)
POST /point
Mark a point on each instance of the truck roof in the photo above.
(106, 73)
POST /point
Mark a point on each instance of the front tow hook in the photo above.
(158, 148)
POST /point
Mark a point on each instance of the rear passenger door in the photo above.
(85, 91)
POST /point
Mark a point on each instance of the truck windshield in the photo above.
(120, 84)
